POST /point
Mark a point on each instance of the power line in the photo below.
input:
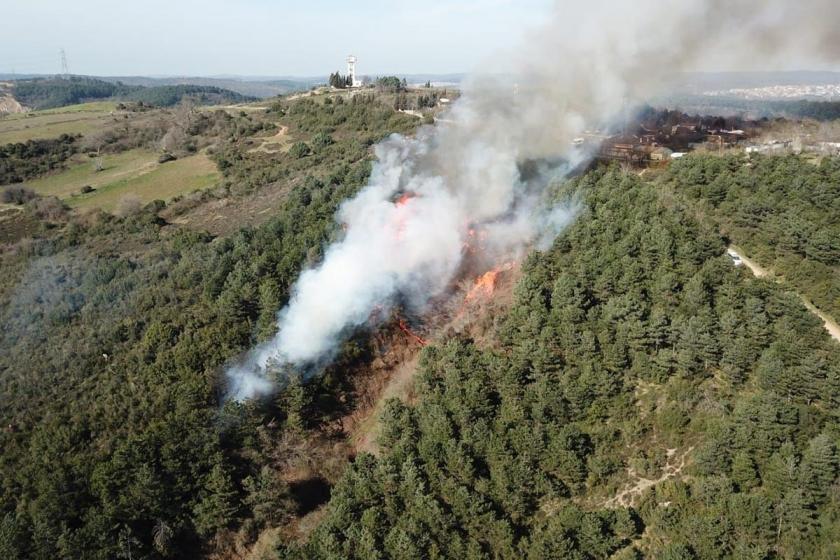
(64, 71)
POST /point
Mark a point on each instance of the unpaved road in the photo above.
(830, 324)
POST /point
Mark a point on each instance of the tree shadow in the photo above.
(310, 494)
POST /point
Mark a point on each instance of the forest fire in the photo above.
(485, 285)
(411, 334)
(401, 217)
(404, 198)
(474, 240)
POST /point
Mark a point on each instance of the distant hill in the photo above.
(800, 94)
(701, 82)
(47, 93)
(253, 88)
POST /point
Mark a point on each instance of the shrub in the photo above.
(17, 195)
(129, 205)
(321, 141)
(300, 150)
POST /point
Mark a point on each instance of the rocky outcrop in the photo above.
(9, 105)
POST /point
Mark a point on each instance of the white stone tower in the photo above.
(351, 72)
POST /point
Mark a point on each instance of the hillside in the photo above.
(151, 311)
(626, 392)
(262, 88)
(47, 93)
(782, 211)
(641, 397)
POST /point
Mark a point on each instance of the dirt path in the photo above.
(278, 139)
(829, 323)
(673, 467)
(755, 268)
(237, 107)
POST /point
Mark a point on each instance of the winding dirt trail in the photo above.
(830, 324)
(759, 272)
(279, 140)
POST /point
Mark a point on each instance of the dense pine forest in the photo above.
(783, 210)
(640, 397)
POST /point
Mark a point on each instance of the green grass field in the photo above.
(82, 171)
(74, 119)
(135, 172)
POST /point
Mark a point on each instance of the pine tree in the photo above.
(11, 537)
(220, 505)
(796, 521)
(295, 403)
(780, 474)
(268, 496)
(744, 471)
(809, 377)
(819, 467)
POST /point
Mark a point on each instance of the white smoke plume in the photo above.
(578, 71)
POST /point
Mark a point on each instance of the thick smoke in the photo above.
(405, 232)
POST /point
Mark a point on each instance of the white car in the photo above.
(736, 258)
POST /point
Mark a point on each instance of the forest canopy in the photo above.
(638, 396)
(47, 93)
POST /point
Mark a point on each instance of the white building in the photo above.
(351, 72)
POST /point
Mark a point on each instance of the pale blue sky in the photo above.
(259, 37)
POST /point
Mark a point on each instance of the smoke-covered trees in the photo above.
(113, 431)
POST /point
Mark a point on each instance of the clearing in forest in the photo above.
(135, 172)
(51, 123)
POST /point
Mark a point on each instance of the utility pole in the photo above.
(65, 73)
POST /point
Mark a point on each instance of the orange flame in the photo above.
(411, 334)
(404, 198)
(485, 285)
(401, 216)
